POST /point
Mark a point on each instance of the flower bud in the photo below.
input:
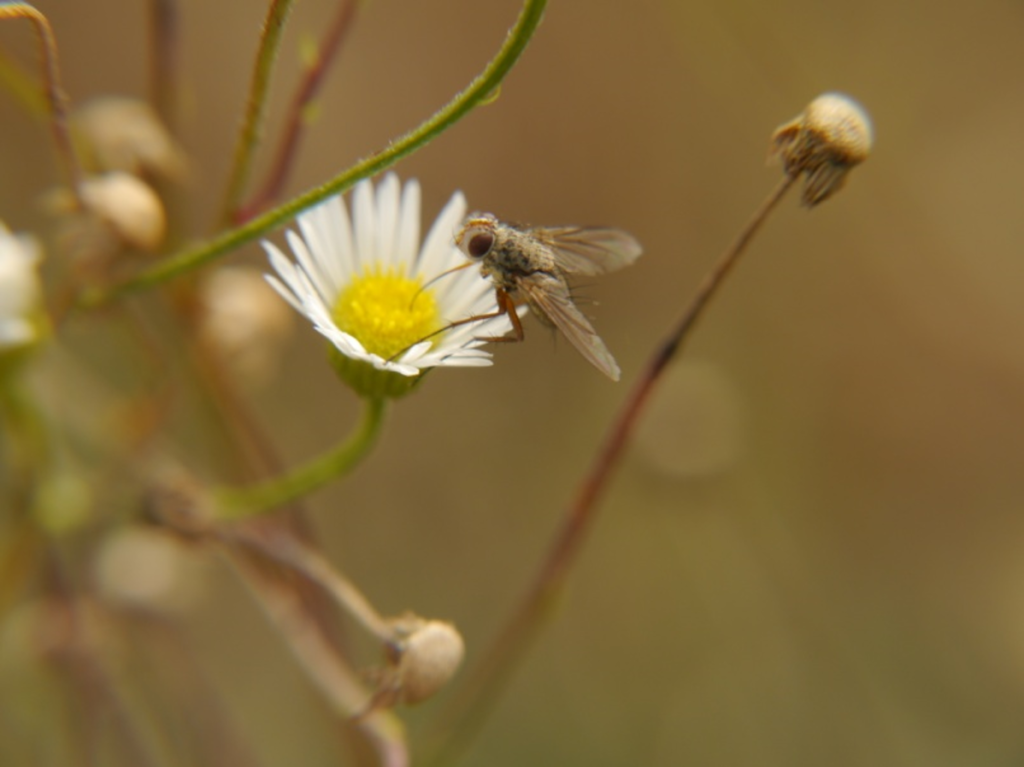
(130, 207)
(244, 320)
(124, 134)
(178, 502)
(831, 136)
(424, 657)
(118, 211)
(145, 567)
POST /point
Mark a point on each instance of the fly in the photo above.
(530, 265)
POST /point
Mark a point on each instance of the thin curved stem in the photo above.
(329, 671)
(295, 554)
(238, 503)
(252, 123)
(480, 91)
(165, 26)
(55, 97)
(308, 88)
(469, 710)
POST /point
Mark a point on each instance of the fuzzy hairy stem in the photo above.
(238, 503)
(296, 121)
(252, 123)
(479, 92)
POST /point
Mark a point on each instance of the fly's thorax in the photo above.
(530, 266)
(517, 254)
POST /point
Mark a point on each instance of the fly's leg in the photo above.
(506, 306)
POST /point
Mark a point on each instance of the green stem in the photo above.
(480, 91)
(252, 124)
(24, 450)
(23, 87)
(26, 435)
(238, 503)
(313, 78)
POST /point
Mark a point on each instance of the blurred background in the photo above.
(814, 551)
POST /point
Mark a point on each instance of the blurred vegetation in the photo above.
(812, 554)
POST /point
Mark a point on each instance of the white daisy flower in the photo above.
(21, 318)
(367, 286)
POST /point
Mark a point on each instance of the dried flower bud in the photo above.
(125, 134)
(120, 211)
(831, 136)
(176, 501)
(424, 656)
(146, 567)
(245, 321)
(131, 208)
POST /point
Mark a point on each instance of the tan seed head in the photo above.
(128, 206)
(831, 136)
(125, 134)
(425, 657)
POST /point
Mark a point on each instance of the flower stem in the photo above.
(329, 671)
(286, 549)
(252, 123)
(165, 27)
(480, 91)
(238, 503)
(25, 449)
(316, 70)
(56, 99)
(467, 713)
(21, 424)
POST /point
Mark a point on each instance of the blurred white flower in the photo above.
(244, 320)
(20, 290)
(125, 134)
(128, 206)
(368, 287)
(119, 211)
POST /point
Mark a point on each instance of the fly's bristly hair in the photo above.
(530, 265)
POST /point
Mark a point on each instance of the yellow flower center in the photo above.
(386, 312)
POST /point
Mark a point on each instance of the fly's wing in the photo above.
(550, 298)
(589, 250)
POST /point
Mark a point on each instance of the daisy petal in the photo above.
(387, 220)
(282, 291)
(364, 213)
(378, 249)
(439, 253)
(409, 225)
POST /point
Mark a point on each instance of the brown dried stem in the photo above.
(68, 637)
(297, 555)
(324, 666)
(55, 96)
(252, 123)
(298, 110)
(468, 711)
(165, 21)
(258, 549)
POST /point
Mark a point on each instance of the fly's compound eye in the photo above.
(480, 244)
